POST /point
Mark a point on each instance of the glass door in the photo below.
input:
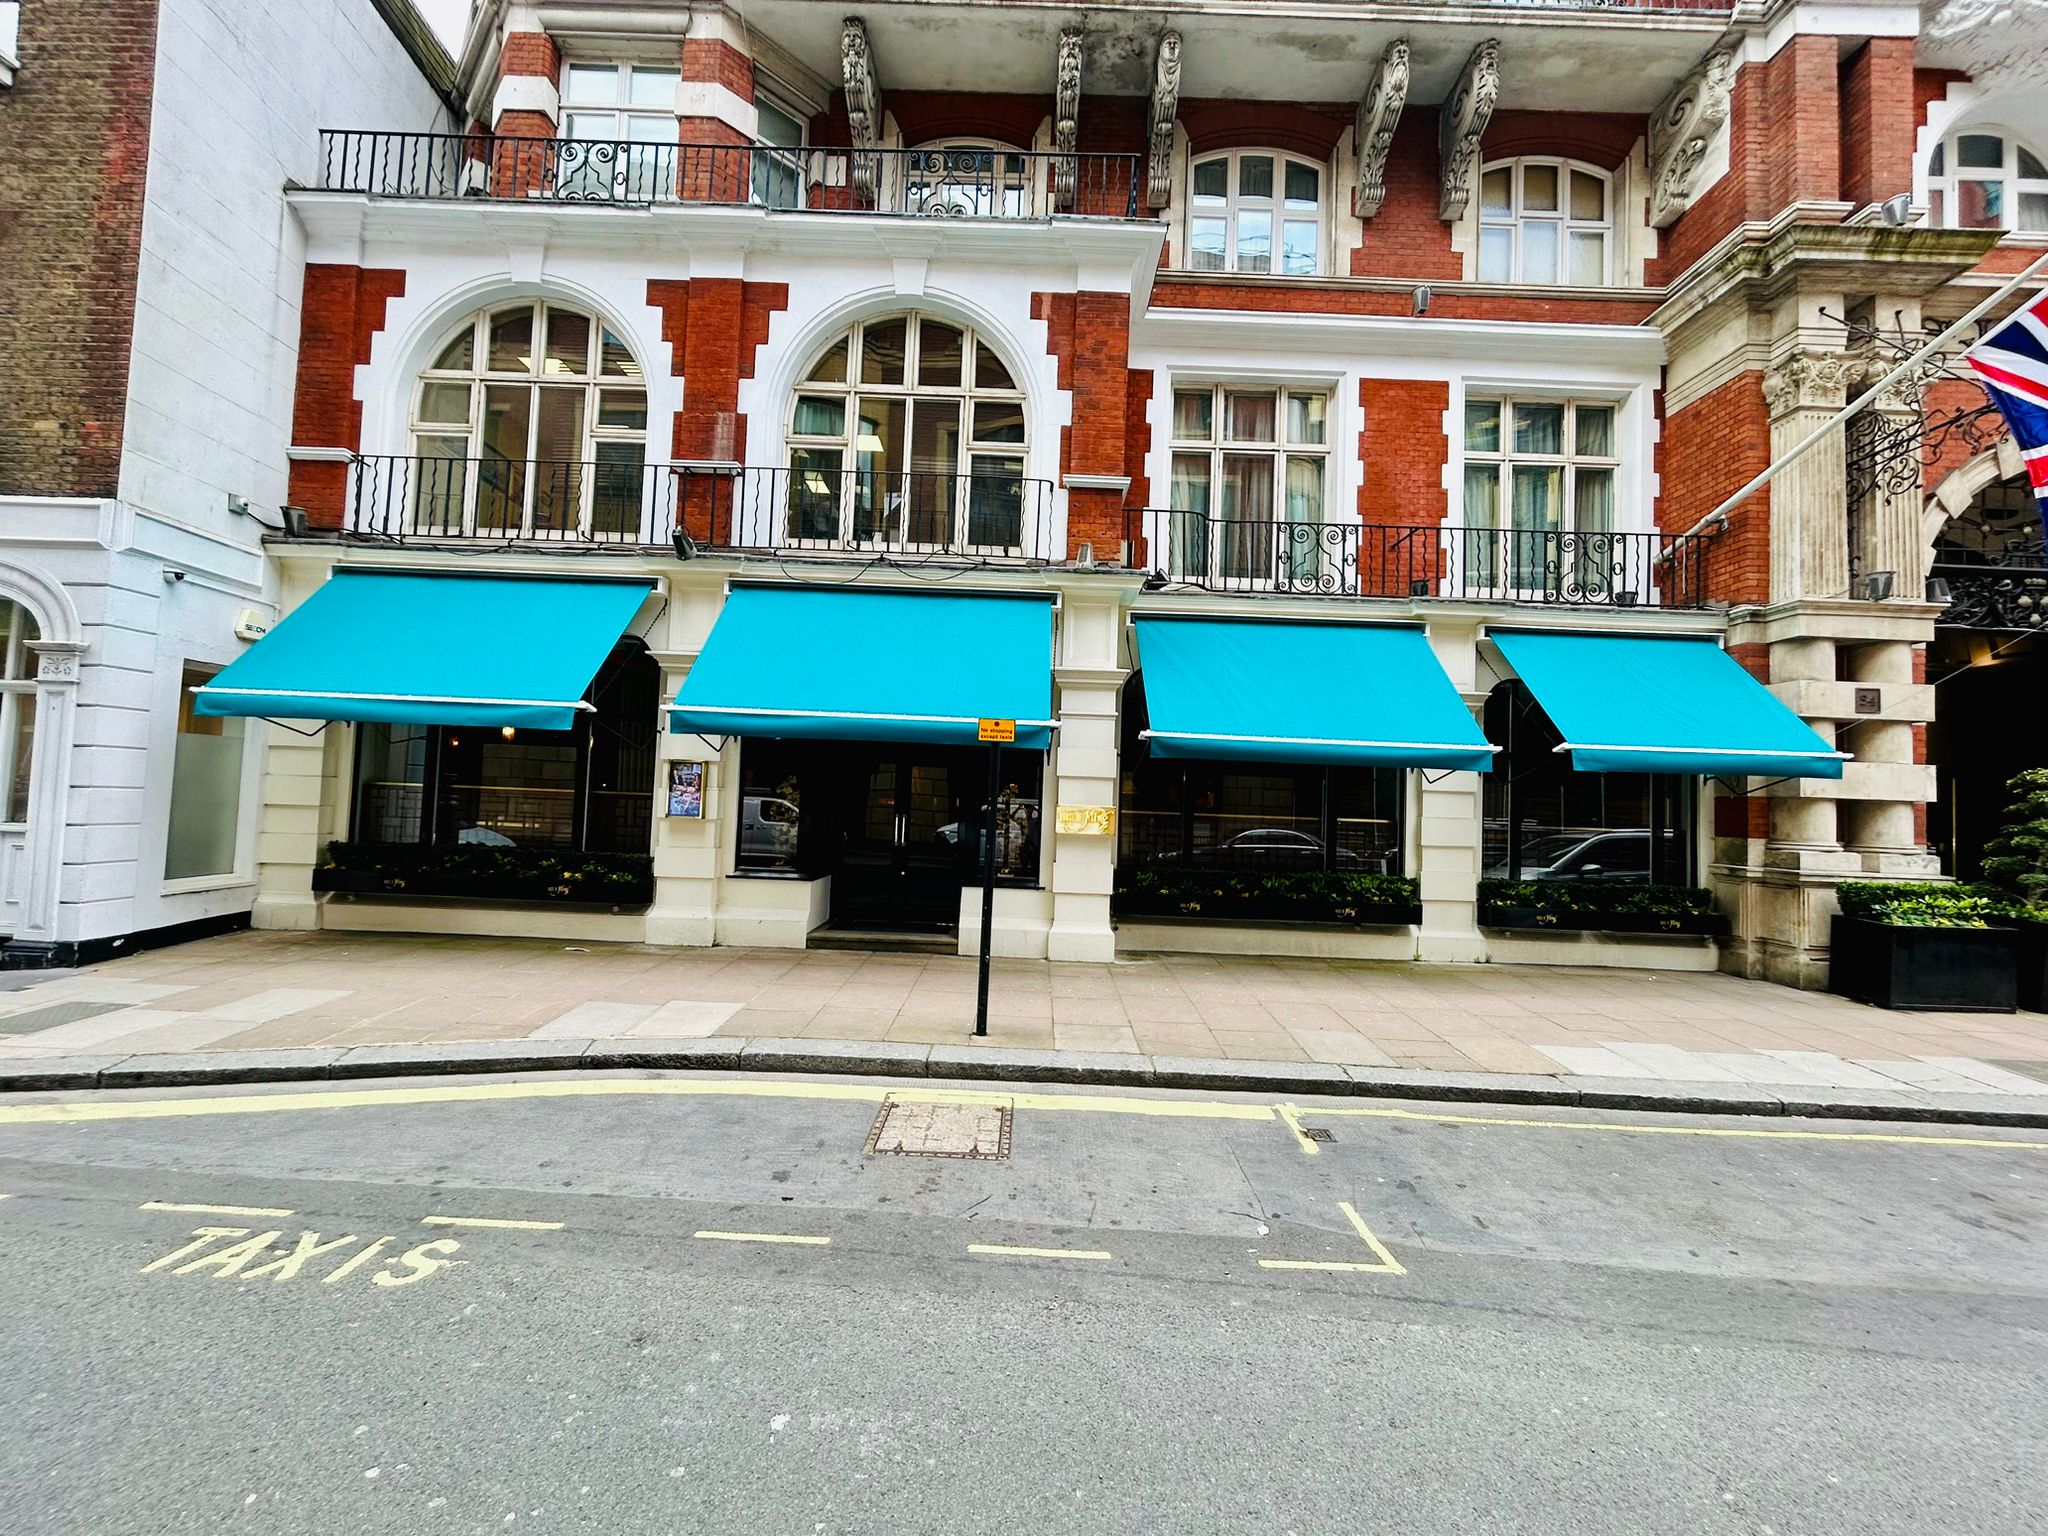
(904, 840)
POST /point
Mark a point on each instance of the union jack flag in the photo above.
(2012, 362)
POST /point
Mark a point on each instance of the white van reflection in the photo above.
(768, 826)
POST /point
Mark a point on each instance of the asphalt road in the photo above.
(1447, 1318)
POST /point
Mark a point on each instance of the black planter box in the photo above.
(1959, 970)
(526, 891)
(1535, 920)
(2033, 966)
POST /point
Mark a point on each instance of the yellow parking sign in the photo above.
(998, 730)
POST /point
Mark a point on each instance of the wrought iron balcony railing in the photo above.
(954, 182)
(988, 513)
(1578, 569)
(427, 497)
(2005, 592)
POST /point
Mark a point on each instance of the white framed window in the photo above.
(17, 710)
(1256, 210)
(1545, 221)
(1987, 180)
(909, 432)
(531, 420)
(624, 116)
(1250, 475)
(778, 180)
(1541, 482)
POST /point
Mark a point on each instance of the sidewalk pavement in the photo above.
(1537, 1033)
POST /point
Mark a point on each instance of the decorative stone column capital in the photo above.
(1810, 381)
(57, 661)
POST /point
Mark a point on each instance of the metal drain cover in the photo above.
(53, 1014)
(913, 1129)
(1318, 1133)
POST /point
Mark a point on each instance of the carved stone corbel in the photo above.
(1066, 119)
(1165, 112)
(1681, 133)
(1379, 114)
(863, 105)
(1464, 119)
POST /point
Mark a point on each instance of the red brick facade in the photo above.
(1711, 448)
(340, 311)
(1090, 336)
(1879, 118)
(76, 130)
(714, 326)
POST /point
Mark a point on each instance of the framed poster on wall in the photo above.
(686, 789)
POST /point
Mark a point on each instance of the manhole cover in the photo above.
(52, 1014)
(1318, 1133)
(913, 1129)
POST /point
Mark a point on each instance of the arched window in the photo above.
(17, 710)
(1987, 181)
(968, 178)
(908, 432)
(531, 421)
(1545, 221)
(1255, 210)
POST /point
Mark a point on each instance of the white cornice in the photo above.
(1384, 336)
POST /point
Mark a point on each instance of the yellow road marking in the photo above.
(79, 1111)
(1386, 1263)
(214, 1210)
(1288, 1113)
(491, 1221)
(1008, 1251)
(1897, 1138)
(765, 1237)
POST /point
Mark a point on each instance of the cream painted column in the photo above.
(1088, 679)
(1809, 500)
(293, 821)
(1881, 832)
(690, 854)
(1449, 828)
(1805, 830)
(49, 784)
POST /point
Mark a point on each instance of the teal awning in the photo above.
(853, 665)
(1658, 704)
(420, 649)
(1277, 691)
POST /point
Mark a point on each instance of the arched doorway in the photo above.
(1988, 665)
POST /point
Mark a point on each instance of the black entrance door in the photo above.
(904, 839)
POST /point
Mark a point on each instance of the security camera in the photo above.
(1422, 296)
(172, 575)
(1895, 211)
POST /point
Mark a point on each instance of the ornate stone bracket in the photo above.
(1681, 133)
(1379, 114)
(1463, 120)
(863, 104)
(1165, 111)
(1810, 381)
(1066, 119)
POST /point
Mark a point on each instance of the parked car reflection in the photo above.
(1622, 853)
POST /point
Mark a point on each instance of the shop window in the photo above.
(587, 789)
(908, 432)
(1258, 818)
(531, 421)
(1248, 464)
(772, 835)
(17, 710)
(1256, 211)
(1540, 485)
(1987, 181)
(1545, 221)
(206, 788)
(1545, 821)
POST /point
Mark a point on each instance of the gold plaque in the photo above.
(1086, 820)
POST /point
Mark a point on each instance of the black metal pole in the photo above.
(988, 885)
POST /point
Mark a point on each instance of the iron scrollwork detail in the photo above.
(1891, 453)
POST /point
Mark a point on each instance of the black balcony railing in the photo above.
(2005, 592)
(554, 501)
(955, 182)
(1579, 569)
(985, 514)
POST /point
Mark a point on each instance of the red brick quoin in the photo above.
(1090, 335)
(714, 326)
(340, 310)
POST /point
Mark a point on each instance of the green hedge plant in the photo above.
(1580, 899)
(1307, 896)
(524, 874)
(2016, 860)
(1919, 903)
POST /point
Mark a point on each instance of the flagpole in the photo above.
(1720, 514)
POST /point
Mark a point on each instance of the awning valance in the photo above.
(427, 649)
(1281, 691)
(862, 665)
(1663, 704)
